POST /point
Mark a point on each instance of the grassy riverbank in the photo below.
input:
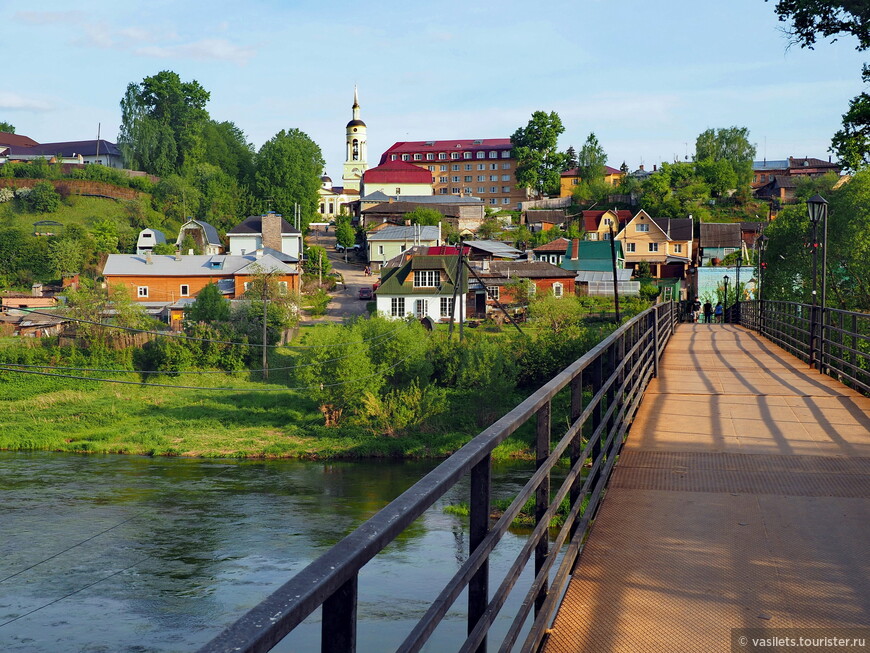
(40, 413)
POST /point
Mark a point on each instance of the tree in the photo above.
(227, 147)
(719, 175)
(42, 198)
(162, 123)
(592, 159)
(570, 158)
(66, 256)
(288, 169)
(424, 216)
(316, 261)
(90, 301)
(539, 163)
(344, 235)
(730, 144)
(7, 127)
(830, 18)
(105, 235)
(852, 143)
(210, 306)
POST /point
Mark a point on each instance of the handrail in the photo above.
(613, 376)
(835, 341)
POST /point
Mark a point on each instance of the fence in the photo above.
(599, 394)
(834, 341)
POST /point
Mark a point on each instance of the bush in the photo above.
(42, 198)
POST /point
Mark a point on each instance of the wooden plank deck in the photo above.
(741, 500)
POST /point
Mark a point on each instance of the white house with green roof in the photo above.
(422, 286)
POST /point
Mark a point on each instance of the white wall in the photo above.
(247, 243)
(384, 305)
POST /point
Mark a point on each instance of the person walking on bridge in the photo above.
(719, 312)
(708, 312)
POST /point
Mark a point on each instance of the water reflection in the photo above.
(160, 554)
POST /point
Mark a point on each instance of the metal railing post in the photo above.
(542, 495)
(478, 586)
(338, 627)
(655, 337)
(577, 443)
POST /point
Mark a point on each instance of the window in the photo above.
(246, 286)
(455, 167)
(427, 278)
(493, 155)
(467, 178)
(505, 166)
(421, 308)
(481, 166)
(592, 235)
(454, 190)
(493, 166)
(466, 190)
(380, 249)
(505, 200)
(466, 155)
(607, 222)
(505, 177)
(184, 291)
(678, 248)
(468, 166)
(142, 291)
(397, 306)
(446, 306)
(430, 168)
(492, 292)
(506, 154)
(493, 189)
(630, 247)
(653, 247)
(405, 157)
(532, 288)
(575, 182)
(481, 177)
(455, 180)
(418, 157)
(481, 155)
(393, 157)
(505, 189)
(641, 227)
(321, 210)
(398, 191)
(442, 180)
(454, 155)
(606, 236)
(402, 248)
(430, 156)
(493, 200)
(443, 168)
(557, 289)
(442, 191)
(442, 156)
(493, 177)
(481, 189)
(331, 207)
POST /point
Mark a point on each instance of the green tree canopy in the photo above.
(852, 142)
(67, 257)
(539, 163)
(592, 159)
(425, 216)
(7, 127)
(227, 147)
(829, 18)
(42, 198)
(730, 144)
(344, 234)
(288, 169)
(210, 306)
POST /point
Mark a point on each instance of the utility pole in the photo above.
(265, 314)
(457, 282)
(461, 275)
(615, 280)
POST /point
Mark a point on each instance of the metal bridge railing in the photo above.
(834, 341)
(602, 391)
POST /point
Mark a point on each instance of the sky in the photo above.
(645, 77)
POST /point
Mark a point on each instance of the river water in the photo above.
(124, 553)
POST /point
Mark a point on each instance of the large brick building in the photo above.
(482, 168)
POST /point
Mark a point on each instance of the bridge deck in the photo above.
(741, 500)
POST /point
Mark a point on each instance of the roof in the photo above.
(765, 165)
(526, 270)
(70, 148)
(495, 248)
(809, 162)
(405, 232)
(159, 236)
(752, 226)
(393, 279)
(401, 208)
(591, 255)
(253, 224)
(446, 250)
(17, 140)
(190, 266)
(553, 216)
(407, 147)
(720, 234)
(211, 234)
(379, 196)
(559, 245)
(585, 276)
(399, 172)
(592, 219)
(676, 228)
(356, 123)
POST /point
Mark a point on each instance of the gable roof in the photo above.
(211, 234)
(16, 140)
(393, 279)
(810, 162)
(495, 248)
(676, 228)
(552, 216)
(575, 172)
(592, 219)
(70, 148)
(409, 147)
(525, 270)
(401, 208)
(189, 266)
(253, 224)
(398, 172)
(557, 245)
(405, 232)
(720, 234)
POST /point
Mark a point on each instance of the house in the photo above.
(779, 190)
(266, 232)
(334, 200)
(422, 286)
(764, 172)
(493, 250)
(664, 243)
(597, 224)
(552, 252)
(571, 179)
(483, 167)
(462, 216)
(204, 236)
(373, 199)
(92, 151)
(718, 240)
(592, 256)
(148, 238)
(397, 178)
(392, 240)
(543, 219)
(16, 140)
(498, 277)
(164, 278)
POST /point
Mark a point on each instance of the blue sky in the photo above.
(646, 77)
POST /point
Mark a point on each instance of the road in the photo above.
(345, 298)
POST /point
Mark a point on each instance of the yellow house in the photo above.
(664, 243)
(571, 178)
(597, 224)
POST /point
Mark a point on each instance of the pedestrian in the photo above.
(696, 310)
(718, 312)
(708, 312)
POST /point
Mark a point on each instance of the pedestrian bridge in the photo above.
(719, 485)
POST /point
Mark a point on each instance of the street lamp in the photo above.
(817, 207)
(726, 279)
(737, 285)
(761, 243)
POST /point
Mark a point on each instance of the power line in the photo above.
(320, 386)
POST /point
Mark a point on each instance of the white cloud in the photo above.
(14, 101)
(203, 50)
(49, 17)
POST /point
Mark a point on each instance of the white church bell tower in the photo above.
(356, 149)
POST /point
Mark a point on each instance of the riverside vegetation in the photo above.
(370, 387)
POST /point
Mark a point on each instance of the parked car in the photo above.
(355, 247)
(365, 293)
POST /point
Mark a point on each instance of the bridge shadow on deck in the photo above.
(741, 500)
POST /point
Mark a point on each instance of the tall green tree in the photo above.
(288, 169)
(828, 18)
(592, 159)
(210, 306)
(425, 216)
(730, 144)
(852, 143)
(7, 127)
(539, 162)
(67, 257)
(162, 123)
(227, 147)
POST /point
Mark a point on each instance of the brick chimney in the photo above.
(575, 249)
(271, 229)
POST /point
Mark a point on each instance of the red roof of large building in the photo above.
(397, 172)
(436, 147)
(17, 140)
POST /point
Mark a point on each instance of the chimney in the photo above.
(177, 254)
(641, 167)
(655, 167)
(271, 230)
(484, 265)
(36, 290)
(575, 249)
(148, 260)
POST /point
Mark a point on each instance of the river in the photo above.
(126, 553)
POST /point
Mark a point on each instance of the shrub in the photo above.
(42, 198)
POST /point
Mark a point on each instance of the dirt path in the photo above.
(345, 298)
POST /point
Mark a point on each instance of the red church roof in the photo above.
(397, 172)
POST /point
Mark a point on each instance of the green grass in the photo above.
(526, 516)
